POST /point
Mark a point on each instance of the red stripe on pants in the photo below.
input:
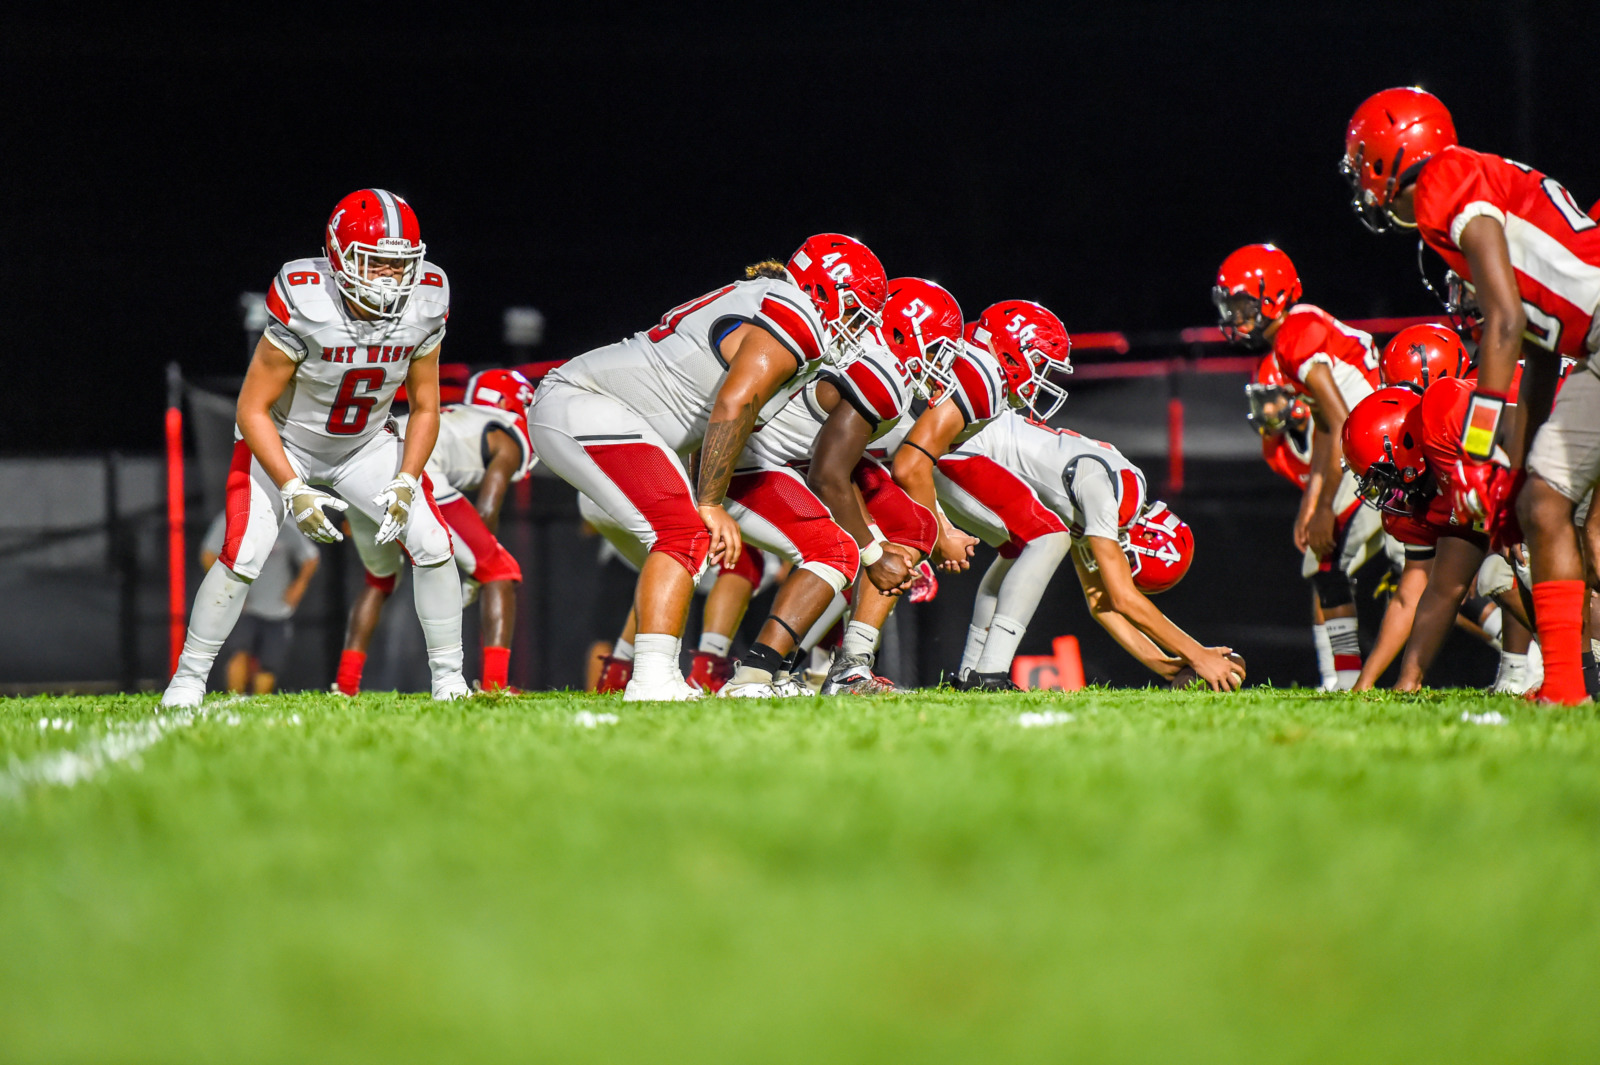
(237, 504)
(491, 561)
(655, 486)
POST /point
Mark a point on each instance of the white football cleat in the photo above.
(787, 686)
(450, 687)
(670, 690)
(754, 689)
(182, 696)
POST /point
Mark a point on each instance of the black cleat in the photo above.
(973, 681)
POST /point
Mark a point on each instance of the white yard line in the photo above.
(119, 743)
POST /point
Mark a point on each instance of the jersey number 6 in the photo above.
(353, 405)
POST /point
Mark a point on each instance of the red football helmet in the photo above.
(506, 389)
(1390, 136)
(1273, 407)
(375, 251)
(848, 285)
(1255, 285)
(1421, 354)
(1383, 448)
(1029, 342)
(1160, 549)
(922, 325)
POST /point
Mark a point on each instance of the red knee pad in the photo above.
(490, 560)
(751, 566)
(383, 584)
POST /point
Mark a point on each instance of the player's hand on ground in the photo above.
(725, 540)
(305, 504)
(1166, 667)
(1220, 673)
(952, 551)
(396, 501)
(1320, 532)
(894, 570)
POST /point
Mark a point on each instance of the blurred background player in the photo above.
(265, 631)
(1532, 258)
(1036, 492)
(483, 446)
(615, 423)
(1332, 367)
(345, 332)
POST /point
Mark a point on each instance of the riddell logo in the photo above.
(1060, 671)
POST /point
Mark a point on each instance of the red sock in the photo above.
(1559, 609)
(496, 660)
(351, 663)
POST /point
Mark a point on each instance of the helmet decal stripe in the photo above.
(392, 226)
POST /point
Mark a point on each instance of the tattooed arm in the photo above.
(757, 367)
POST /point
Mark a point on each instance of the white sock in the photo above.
(217, 606)
(1319, 636)
(714, 643)
(1492, 626)
(436, 590)
(1345, 640)
(623, 651)
(655, 658)
(859, 639)
(976, 638)
(1029, 576)
(835, 611)
(1001, 646)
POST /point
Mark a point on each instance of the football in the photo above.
(1187, 676)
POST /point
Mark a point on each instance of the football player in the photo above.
(1034, 493)
(346, 330)
(1332, 367)
(1532, 258)
(805, 489)
(483, 447)
(1403, 446)
(613, 423)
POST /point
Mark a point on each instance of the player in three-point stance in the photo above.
(1037, 493)
(1531, 257)
(615, 423)
(483, 447)
(345, 332)
(1332, 367)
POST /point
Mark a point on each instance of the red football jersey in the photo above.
(1310, 335)
(1554, 245)
(1286, 459)
(1443, 410)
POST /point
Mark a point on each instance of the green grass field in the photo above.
(1172, 877)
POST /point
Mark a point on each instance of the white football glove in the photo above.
(396, 500)
(305, 504)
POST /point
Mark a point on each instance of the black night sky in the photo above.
(603, 166)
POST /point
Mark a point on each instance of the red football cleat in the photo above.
(614, 674)
(710, 672)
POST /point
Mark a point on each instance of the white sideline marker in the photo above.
(1045, 718)
(121, 743)
(585, 719)
(1491, 717)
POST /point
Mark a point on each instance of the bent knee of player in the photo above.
(687, 546)
(1333, 588)
(428, 542)
(832, 554)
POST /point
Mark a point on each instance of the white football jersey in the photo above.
(670, 375)
(1052, 460)
(461, 454)
(979, 394)
(347, 370)
(875, 385)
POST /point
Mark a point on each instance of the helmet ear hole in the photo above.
(1407, 441)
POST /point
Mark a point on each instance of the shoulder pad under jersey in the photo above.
(303, 290)
(978, 393)
(790, 316)
(430, 301)
(874, 385)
